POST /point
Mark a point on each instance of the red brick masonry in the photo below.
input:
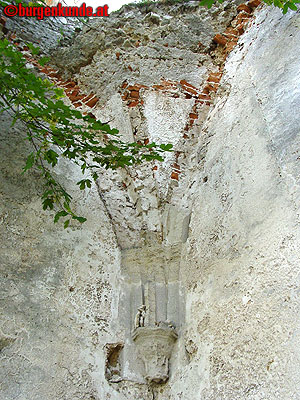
(131, 93)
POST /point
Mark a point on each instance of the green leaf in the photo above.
(51, 156)
(34, 49)
(67, 207)
(285, 8)
(292, 6)
(29, 162)
(44, 60)
(95, 176)
(79, 219)
(66, 224)
(48, 203)
(207, 3)
(48, 121)
(166, 147)
(59, 215)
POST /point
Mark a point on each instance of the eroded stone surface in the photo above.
(154, 346)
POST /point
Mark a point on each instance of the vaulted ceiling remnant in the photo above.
(168, 105)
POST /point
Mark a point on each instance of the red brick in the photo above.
(124, 85)
(240, 29)
(243, 15)
(134, 94)
(174, 175)
(231, 37)
(134, 87)
(234, 40)
(204, 97)
(190, 90)
(45, 70)
(193, 116)
(73, 98)
(155, 168)
(244, 7)
(210, 88)
(220, 39)
(217, 74)
(87, 98)
(185, 83)
(53, 75)
(59, 78)
(69, 84)
(168, 84)
(176, 166)
(253, 3)
(75, 92)
(92, 102)
(133, 103)
(214, 78)
(230, 46)
(77, 104)
(231, 31)
(118, 55)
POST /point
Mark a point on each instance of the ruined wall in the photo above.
(207, 239)
(241, 266)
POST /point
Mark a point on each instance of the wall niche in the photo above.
(151, 310)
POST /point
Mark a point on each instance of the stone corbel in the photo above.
(154, 345)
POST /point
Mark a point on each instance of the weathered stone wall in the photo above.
(208, 238)
(241, 267)
(58, 287)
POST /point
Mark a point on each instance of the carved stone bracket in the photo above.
(155, 346)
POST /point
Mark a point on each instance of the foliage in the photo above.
(283, 4)
(56, 130)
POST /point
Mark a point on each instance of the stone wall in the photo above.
(207, 239)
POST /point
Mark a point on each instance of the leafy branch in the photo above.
(55, 130)
(283, 4)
